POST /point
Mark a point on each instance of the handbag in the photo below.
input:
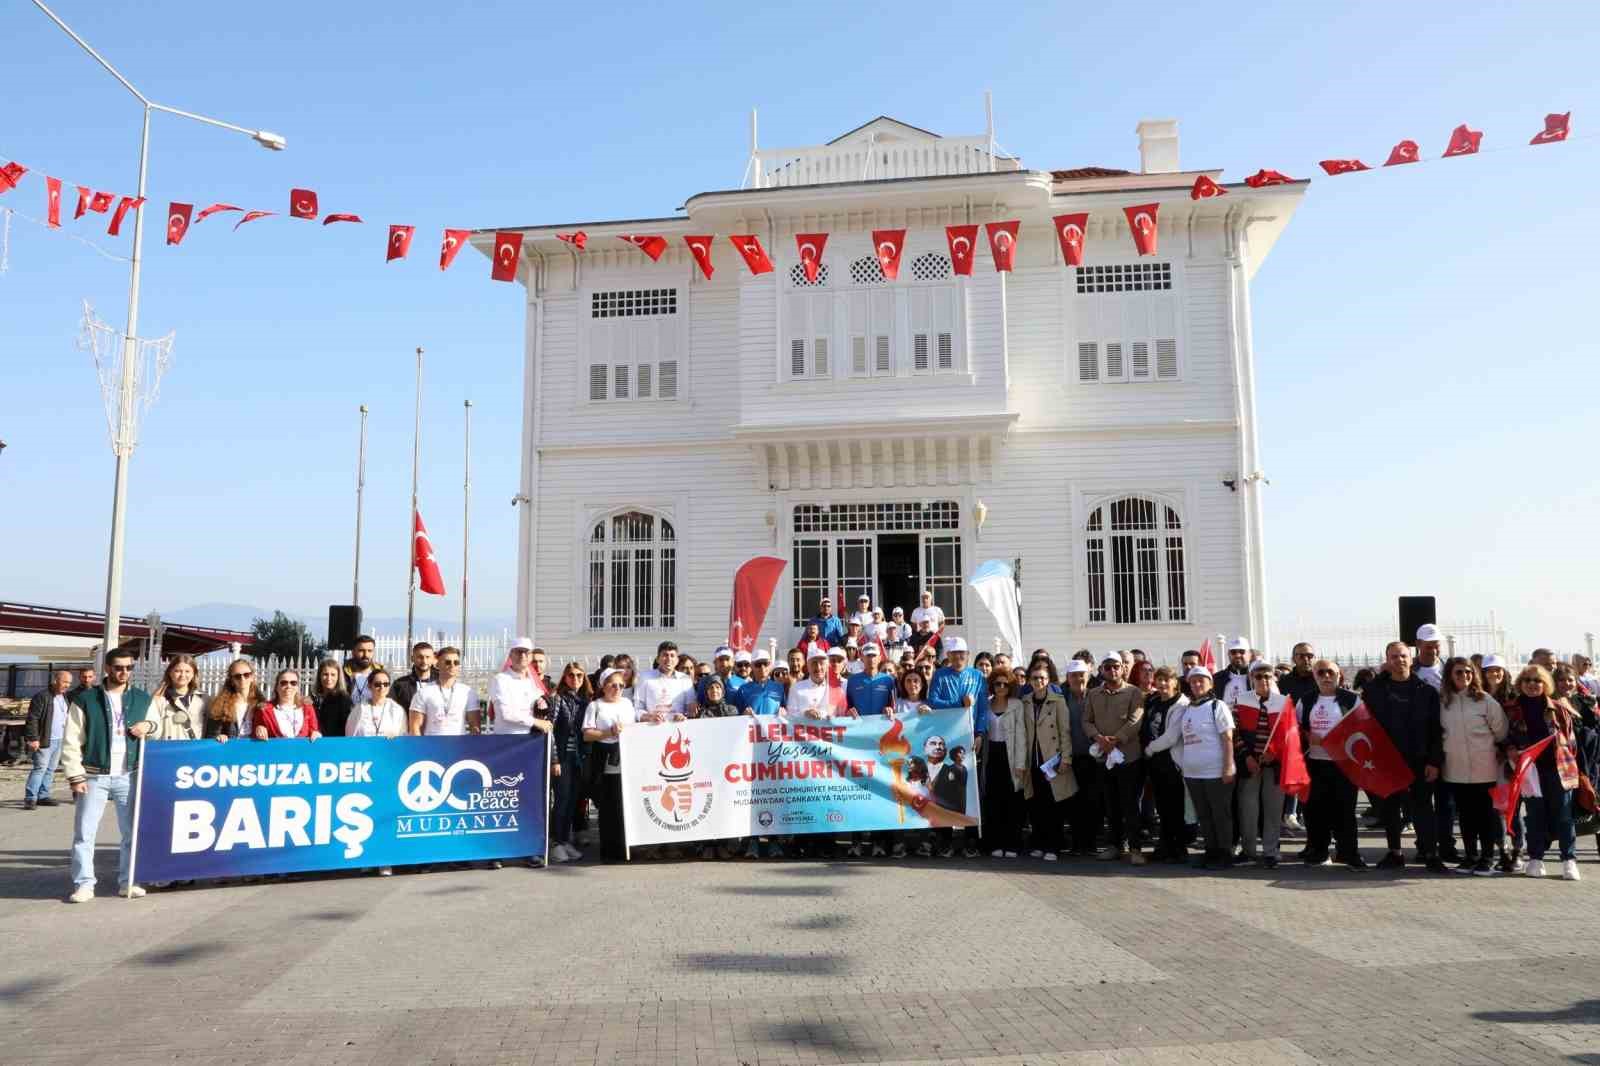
(1585, 797)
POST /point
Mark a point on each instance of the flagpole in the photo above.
(466, 517)
(361, 488)
(416, 458)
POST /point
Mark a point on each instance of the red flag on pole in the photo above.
(507, 253)
(811, 246)
(128, 203)
(340, 218)
(1555, 129)
(753, 587)
(578, 240)
(83, 201)
(1342, 166)
(1364, 753)
(700, 248)
(889, 243)
(1003, 243)
(651, 246)
(1070, 230)
(399, 242)
(453, 240)
(178, 222)
(10, 174)
(1463, 141)
(212, 210)
(428, 577)
(1404, 152)
(1142, 222)
(53, 202)
(1208, 658)
(1205, 189)
(755, 256)
(251, 216)
(101, 202)
(1284, 745)
(961, 240)
(302, 203)
(1506, 796)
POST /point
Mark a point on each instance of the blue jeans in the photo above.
(86, 825)
(43, 772)
(1550, 815)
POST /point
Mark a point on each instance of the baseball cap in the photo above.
(1197, 671)
(836, 652)
(955, 644)
(898, 612)
(522, 644)
(1260, 666)
(743, 657)
(721, 651)
(1238, 644)
(604, 674)
(863, 598)
(1493, 660)
(1428, 631)
(1075, 666)
(1111, 657)
(871, 649)
(816, 651)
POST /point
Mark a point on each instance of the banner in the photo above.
(246, 808)
(719, 778)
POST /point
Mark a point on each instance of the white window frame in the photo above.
(1133, 351)
(587, 339)
(673, 510)
(1183, 500)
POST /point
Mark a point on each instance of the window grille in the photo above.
(1135, 563)
(877, 517)
(632, 573)
(797, 276)
(1124, 277)
(931, 266)
(867, 271)
(630, 303)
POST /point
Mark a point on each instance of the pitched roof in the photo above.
(882, 118)
(1084, 173)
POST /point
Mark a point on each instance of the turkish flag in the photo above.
(10, 174)
(399, 242)
(1380, 769)
(1205, 189)
(1506, 795)
(1556, 128)
(453, 240)
(128, 203)
(178, 222)
(1262, 178)
(507, 252)
(753, 586)
(340, 218)
(700, 248)
(83, 201)
(578, 240)
(212, 210)
(429, 580)
(1342, 166)
(1070, 231)
(101, 202)
(651, 246)
(1284, 746)
(251, 216)
(53, 202)
(811, 246)
(1463, 141)
(302, 203)
(961, 239)
(1003, 243)
(1404, 152)
(755, 256)
(889, 244)
(1142, 222)
(1208, 658)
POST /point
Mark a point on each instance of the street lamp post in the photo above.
(122, 436)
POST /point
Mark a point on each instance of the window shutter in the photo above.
(1167, 359)
(667, 380)
(858, 355)
(944, 324)
(819, 348)
(797, 358)
(947, 351)
(619, 382)
(597, 381)
(1116, 368)
(919, 352)
(1088, 361)
(643, 380)
(1141, 361)
(882, 362)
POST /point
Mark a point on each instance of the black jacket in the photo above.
(1409, 712)
(406, 687)
(41, 717)
(566, 722)
(333, 711)
(1296, 687)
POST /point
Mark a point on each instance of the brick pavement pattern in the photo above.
(753, 964)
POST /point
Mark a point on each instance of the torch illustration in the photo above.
(677, 794)
(894, 743)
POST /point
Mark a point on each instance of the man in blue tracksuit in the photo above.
(870, 692)
(830, 627)
(760, 695)
(957, 685)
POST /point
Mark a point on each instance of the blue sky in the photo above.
(1427, 377)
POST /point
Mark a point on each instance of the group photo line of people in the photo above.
(1112, 757)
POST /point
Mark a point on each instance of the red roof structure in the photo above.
(19, 621)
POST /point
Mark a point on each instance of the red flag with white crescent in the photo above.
(214, 209)
(811, 246)
(507, 253)
(1142, 223)
(1363, 752)
(83, 201)
(1283, 744)
(888, 244)
(961, 239)
(53, 202)
(578, 240)
(1404, 152)
(399, 242)
(1264, 177)
(755, 256)
(753, 587)
(101, 202)
(1003, 243)
(1556, 128)
(453, 240)
(1506, 795)
(1070, 231)
(649, 245)
(700, 248)
(10, 174)
(1463, 141)
(126, 204)
(302, 203)
(1342, 166)
(429, 578)
(340, 218)
(251, 216)
(178, 222)
(1206, 189)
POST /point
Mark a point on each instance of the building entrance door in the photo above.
(897, 573)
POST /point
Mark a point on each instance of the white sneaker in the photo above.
(1011, 855)
(998, 853)
(1535, 868)
(386, 871)
(131, 893)
(81, 894)
(573, 854)
(1569, 870)
(558, 853)
(1035, 854)
(1049, 856)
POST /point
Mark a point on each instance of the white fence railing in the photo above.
(860, 161)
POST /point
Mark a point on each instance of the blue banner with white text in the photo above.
(245, 808)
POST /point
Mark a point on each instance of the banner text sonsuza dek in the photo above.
(291, 821)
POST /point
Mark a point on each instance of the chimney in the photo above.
(1158, 146)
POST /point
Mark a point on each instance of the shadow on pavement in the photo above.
(179, 955)
(1585, 1011)
(776, 890)
(30, 988)
(733, 963)
(820, 1036)
(820, 923)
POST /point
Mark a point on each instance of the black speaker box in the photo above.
(344, 625)
(1415, 612)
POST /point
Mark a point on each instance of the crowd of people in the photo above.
(1111, 756)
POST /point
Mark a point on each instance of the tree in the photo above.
(284, 637)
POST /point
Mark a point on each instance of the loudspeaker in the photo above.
(344, 625)
(1416, 612)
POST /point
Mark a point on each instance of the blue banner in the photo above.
(209, 810)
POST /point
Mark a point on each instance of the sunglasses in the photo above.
(1327, 673)
(119, 668)
(243, 676)
(288, 684)
(449, 662)
(379, 684)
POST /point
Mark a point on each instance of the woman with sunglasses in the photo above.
(378, 716)
(288, 715)
(228, 714)
(1499, 686)
(1002, 813)
(1331, 807)
(1473, 725)
(568, 702)
(1537, 714)
(178, 708)
(331, 699)
(603, 722)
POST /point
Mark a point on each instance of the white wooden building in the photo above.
(1096, 423)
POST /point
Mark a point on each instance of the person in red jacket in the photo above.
(288, 713)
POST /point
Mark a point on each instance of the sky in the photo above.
(1426, 374)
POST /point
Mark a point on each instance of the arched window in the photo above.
(632, 573)
(1135, 563)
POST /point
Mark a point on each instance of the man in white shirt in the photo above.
(445, 706)
(1428, 665)
(517, 693)
(808, 697)
(928, 612)
(863, 615)
(663, 694)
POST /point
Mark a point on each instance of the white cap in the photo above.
(1111, 657)
(862, 597)
(955, 644)
(898, 610)
(1493, 660)
(1260, 665)
(604, 674)
(871, 649)
(522, 644)
(721, 651)
(1428, 631)
(1238, 644)
(816, 651)
(743, 657)
(1197, 671)
(851, 643)
(1075, 666)
(836, 652)
(762, 655)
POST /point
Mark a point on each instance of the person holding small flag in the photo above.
(1538, 716)
(1331, 808)
(1407, 708)
(1255, 715)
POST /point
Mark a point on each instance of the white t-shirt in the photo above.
(603, 715)
(1325, 714)
(862, 618)
(513, 698)
(387, 719)
(933, 614)
(809, 699)
(290, 718)
(1433, 675)
(58, 720)
(119, 736)
(665, 694)
(444, 708)
(903, 706)
(1202, 738)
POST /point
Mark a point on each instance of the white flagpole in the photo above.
(138, 796)
(361, 488)
(466, 519)
(411, 557)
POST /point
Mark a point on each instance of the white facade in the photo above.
(675, 426)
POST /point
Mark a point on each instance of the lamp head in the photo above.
(270, 140)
